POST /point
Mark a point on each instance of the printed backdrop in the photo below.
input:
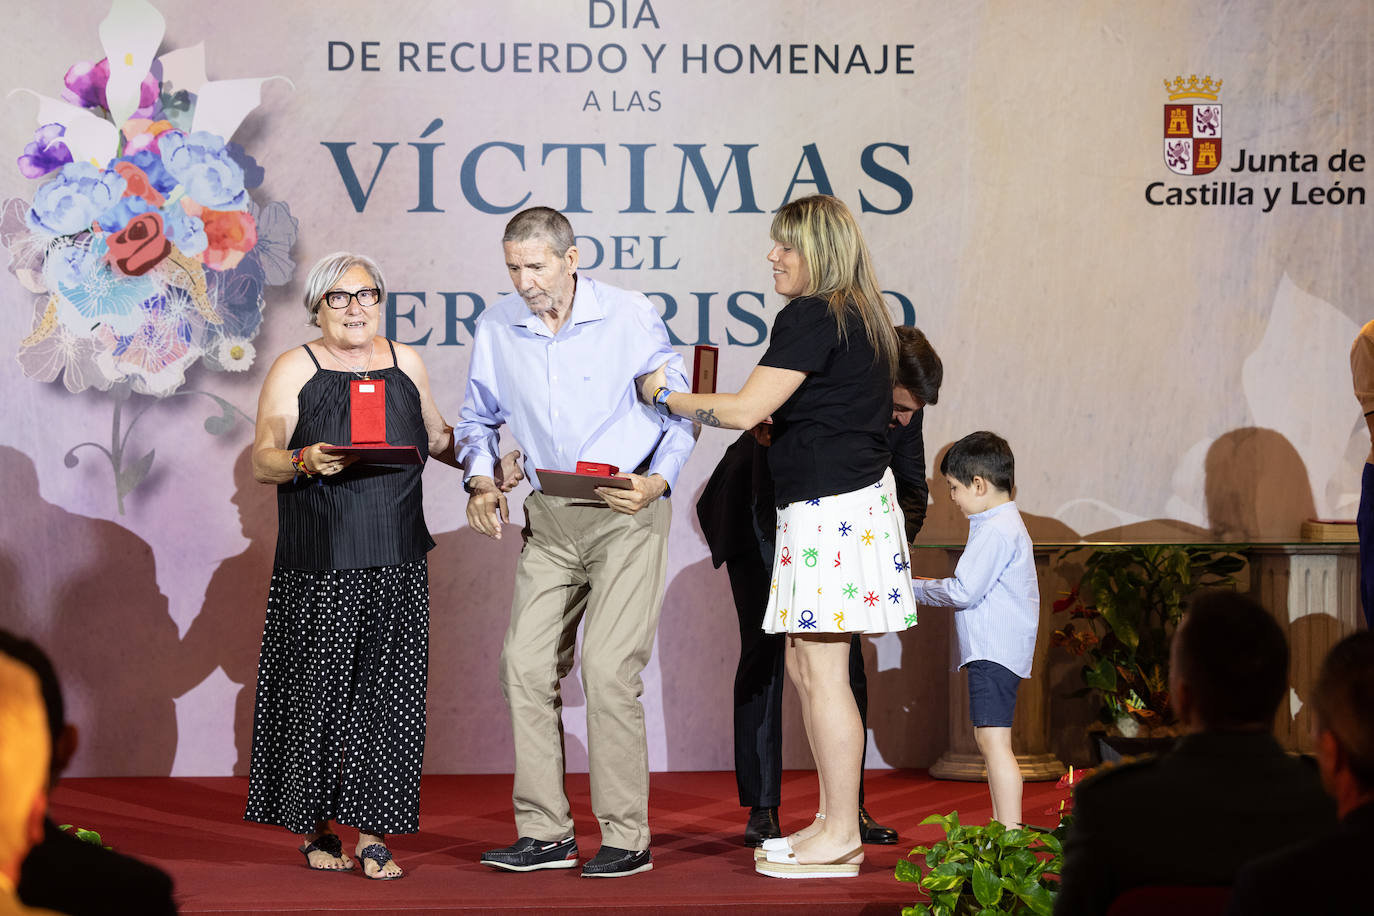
(1160, 331)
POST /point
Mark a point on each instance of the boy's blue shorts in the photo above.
(991, 694)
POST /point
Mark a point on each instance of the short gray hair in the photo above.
(541, 223)
(327, 272)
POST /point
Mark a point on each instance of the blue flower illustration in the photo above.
(72, 200)
(187, 232)
(202, 165)
(118, 216)
(151, 165)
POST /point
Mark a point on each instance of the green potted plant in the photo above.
(985, 869)
(1122, 615)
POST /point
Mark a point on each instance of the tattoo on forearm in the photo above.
(707, 418)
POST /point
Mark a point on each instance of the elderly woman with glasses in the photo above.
(339, 724)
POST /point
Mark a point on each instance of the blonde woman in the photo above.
(841, 565)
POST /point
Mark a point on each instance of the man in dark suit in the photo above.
(1322, 875)
(62, 872)
(1226, 793)
(737, 517)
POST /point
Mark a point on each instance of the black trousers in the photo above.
(758, 687)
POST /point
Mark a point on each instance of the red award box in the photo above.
(582, 483)
(367, 410)
(704, 369)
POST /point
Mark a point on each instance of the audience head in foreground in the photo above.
(1228, 667)
(1225, 794)
(109, 881)
(23, 767)
(61, 734)
(1344, 702)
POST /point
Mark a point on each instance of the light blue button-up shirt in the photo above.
(571, 397)
(994, 592)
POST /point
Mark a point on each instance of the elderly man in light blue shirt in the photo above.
(556, 362)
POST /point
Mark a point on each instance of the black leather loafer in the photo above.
(611, 862)
(872, 832)
(763, 825)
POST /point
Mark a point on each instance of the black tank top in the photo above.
(368, 515)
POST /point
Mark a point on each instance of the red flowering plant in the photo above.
(1062, 811)
(1121, 617)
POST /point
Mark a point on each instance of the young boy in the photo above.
(997, 603)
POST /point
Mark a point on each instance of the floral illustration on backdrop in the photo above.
(143, 244)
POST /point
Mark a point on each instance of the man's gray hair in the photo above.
(541, 223)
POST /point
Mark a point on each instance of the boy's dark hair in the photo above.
(981, 454)
(919, 369)
(1233, 656)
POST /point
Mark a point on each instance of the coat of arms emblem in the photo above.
(1192, 130)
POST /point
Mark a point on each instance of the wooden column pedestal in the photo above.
(1314, 592)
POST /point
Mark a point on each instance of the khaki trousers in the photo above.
(584, 561)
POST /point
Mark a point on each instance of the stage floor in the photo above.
(193, 828)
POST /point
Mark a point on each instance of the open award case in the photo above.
(367, 407)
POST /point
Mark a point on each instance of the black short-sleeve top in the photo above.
(370, 514)
(829, 437)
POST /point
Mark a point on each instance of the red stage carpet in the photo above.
(193, 828)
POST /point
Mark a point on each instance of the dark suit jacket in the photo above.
(726, 508)
(739, 494)
(1191, 816)
(1324, 875)
(72, 876)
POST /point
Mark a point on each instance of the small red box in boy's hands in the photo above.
(597, 468)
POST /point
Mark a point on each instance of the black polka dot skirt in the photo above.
(339, 725)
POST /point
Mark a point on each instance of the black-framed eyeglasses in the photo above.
(339, 298)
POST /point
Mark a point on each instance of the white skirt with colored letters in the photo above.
(842, 565)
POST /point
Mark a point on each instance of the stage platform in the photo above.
(193, 828)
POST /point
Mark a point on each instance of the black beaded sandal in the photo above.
(330, 845)
(381, 855)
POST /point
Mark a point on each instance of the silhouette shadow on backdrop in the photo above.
(1256, 485)
(471, 582)
(86, 590)
(698, 650)
(227, 633)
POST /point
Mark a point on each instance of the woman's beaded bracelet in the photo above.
(298, 462)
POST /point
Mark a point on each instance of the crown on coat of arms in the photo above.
(1192, 88)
